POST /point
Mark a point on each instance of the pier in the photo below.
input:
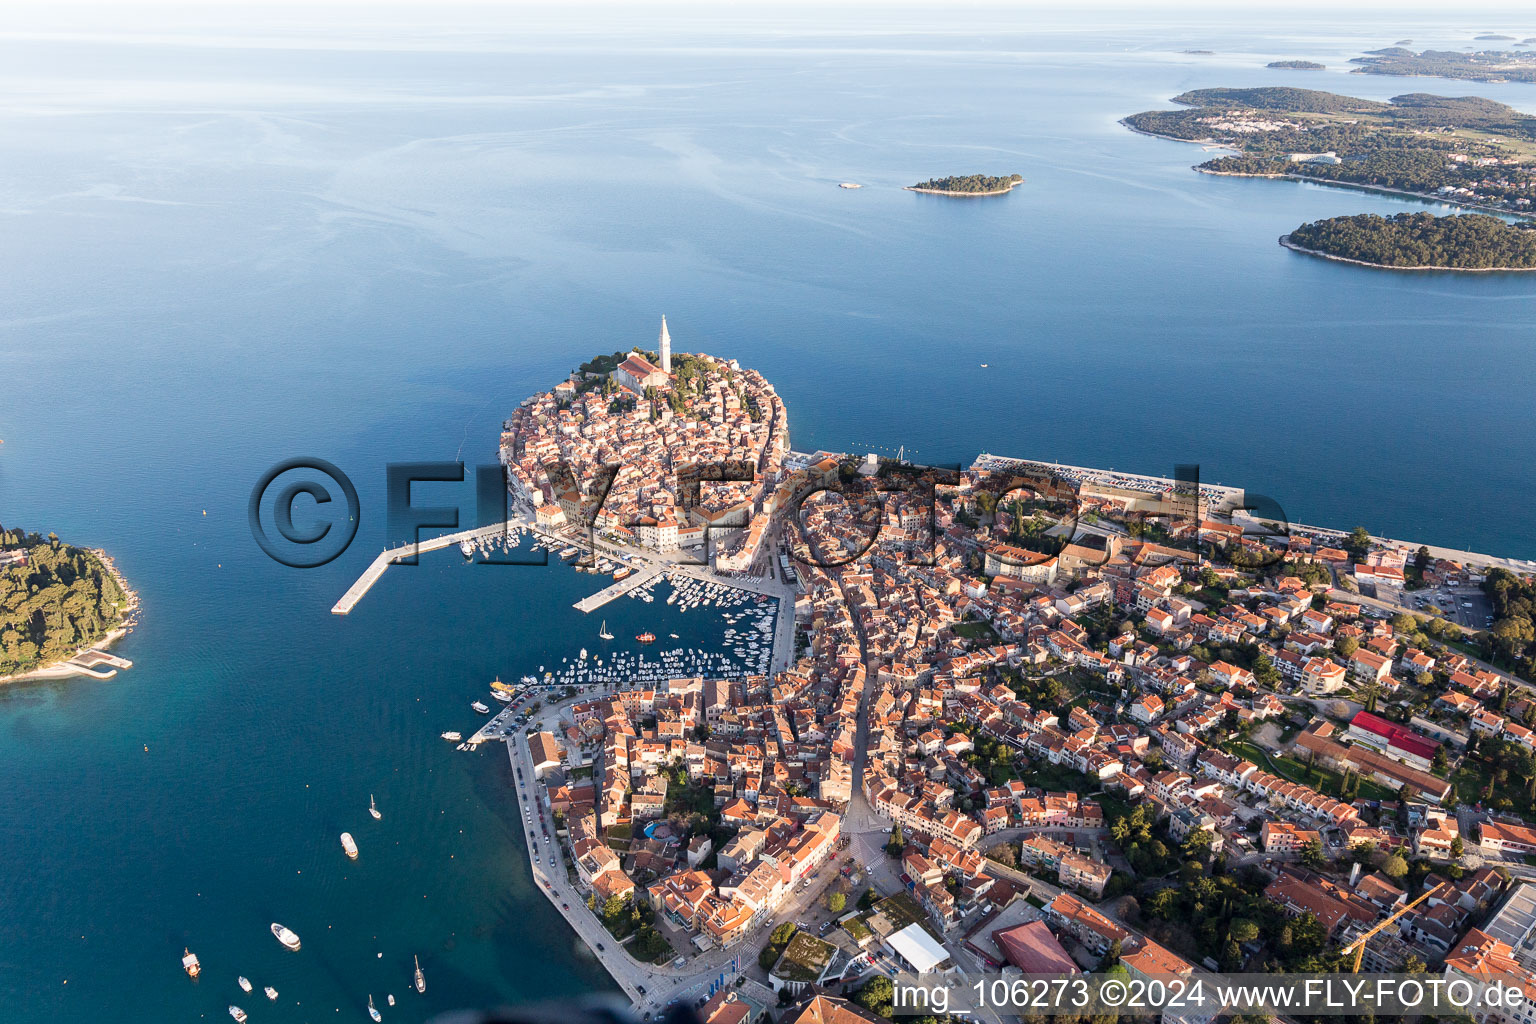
(635, 579)
(375, 571)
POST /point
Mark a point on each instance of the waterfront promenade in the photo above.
(649, 986)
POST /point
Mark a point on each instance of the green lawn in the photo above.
(976, 629)
(1324, 780)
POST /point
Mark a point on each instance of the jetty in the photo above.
(375, 571)
(638, 578)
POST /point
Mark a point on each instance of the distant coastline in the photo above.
(1285, 240)
(1426, 196)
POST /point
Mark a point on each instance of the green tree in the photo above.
(1395, 867)
(836, 902)
(1312, 854)
(877, 996)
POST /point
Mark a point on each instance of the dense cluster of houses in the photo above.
(930, 626)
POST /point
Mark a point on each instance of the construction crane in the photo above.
(1359, 944)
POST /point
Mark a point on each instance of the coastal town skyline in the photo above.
(804, 515)
(852, 713)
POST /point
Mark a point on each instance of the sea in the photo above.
(236, 236)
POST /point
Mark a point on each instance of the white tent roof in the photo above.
(918, 948)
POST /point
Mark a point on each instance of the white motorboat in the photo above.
(467, 548)
(244, 982)
(502, 696)
(237, 1013)
(286, 936)
(390, 999)
(453, 737)
(349, 845)
(271, 993)
(373, 809)
(481, 707)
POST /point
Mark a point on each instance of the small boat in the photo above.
(481, 708)
(286, 936)
(390, 999)
(373, 1011)
(603, 632)
(349, 845)
(421, 979)
(622, 572)
(373, 809)
(672, 635)
(245, 983)
(453, 737)
(848, 184)
(189, 963)
(583, 654)
(271, 993)
(237, 1013)
(646, 638)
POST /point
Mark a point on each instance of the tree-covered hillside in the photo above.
(971, 183)
(57, 600)
(1469, 242)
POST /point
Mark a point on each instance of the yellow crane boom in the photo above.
(1359, 944)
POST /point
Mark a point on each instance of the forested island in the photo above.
(969, 185)
(1483, 66)
(1463, 150)
(54, 599)
(1420, 241)
(1297, 65)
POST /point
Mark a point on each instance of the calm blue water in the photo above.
(226, 247)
